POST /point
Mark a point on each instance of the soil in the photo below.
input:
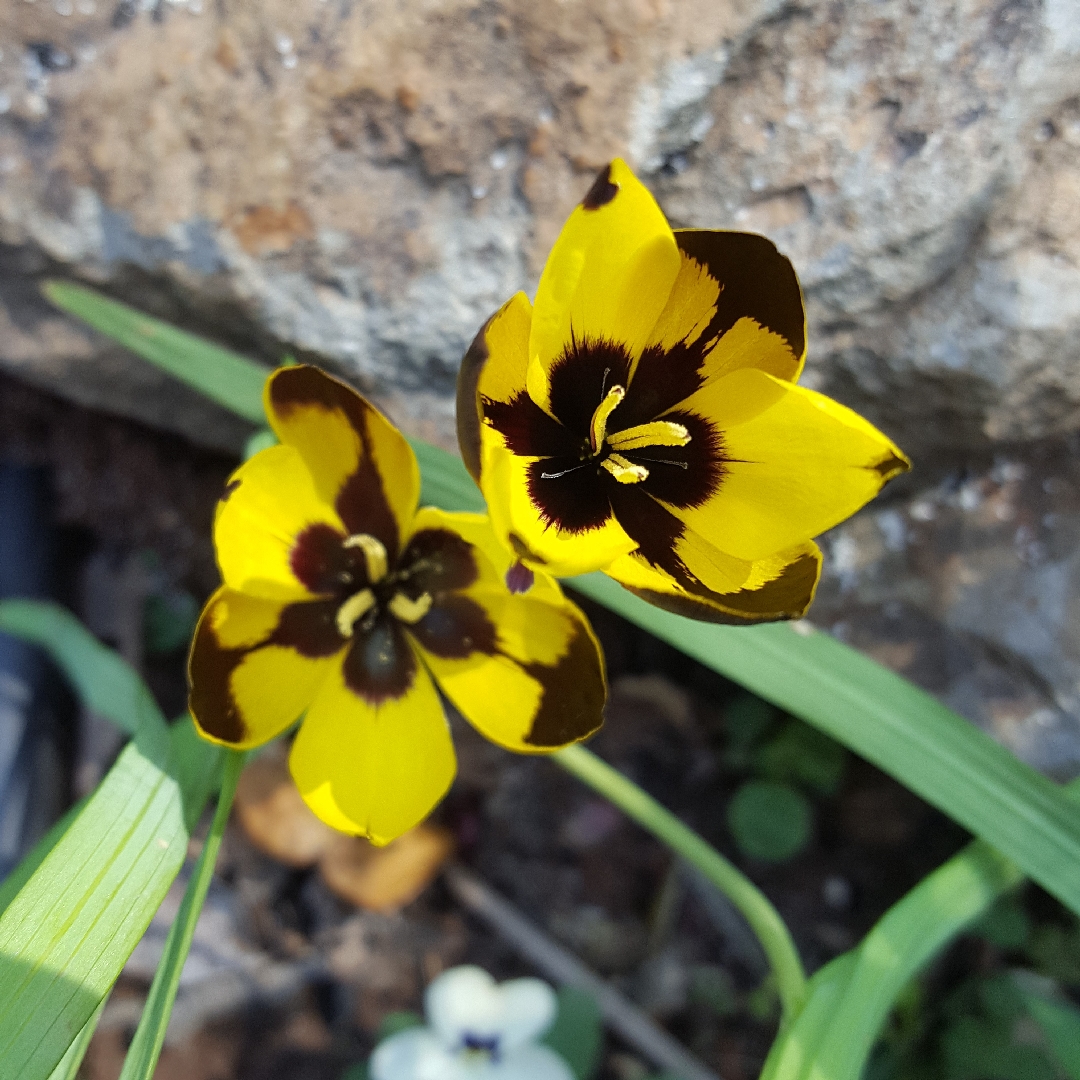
(586, 875)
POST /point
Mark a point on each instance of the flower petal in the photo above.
(414, 1054)
(373, 770)
(525, 669)
(467, 1002)
(494, 369)
(533, 531)
(268, 502)
(780, 587)
(759, 298)
(796, 463)
(531, 1062)
(256, 664)
(607, 277)
(361, 464)
(533, 679)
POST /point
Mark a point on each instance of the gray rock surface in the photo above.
(364, 182)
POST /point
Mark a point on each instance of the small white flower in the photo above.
(478, 1030)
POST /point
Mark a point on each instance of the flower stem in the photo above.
(763, 918)
(145, 1048)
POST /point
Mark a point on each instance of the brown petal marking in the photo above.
(891, 466)
(527, 430)
(318, 559)
(522, 550)
(602, 190)
(438, 560)
(468, 410)
(572, 699)
(380, 664)
(455, 628)
(661, 380)
(230, 487)
(581, 376)
(307, 627)
(362, 501)
(786, 597)
(756, 281)
(573, 503)
(684, 476)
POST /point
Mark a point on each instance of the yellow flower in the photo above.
(643, 418)
(343, 600)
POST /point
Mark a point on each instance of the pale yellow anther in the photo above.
(357, 606)
(626, 472)
(374, 555)
(658, 433)
(408, 610)
(598, 424)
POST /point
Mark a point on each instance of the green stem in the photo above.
(743, 893)
(145, 1049)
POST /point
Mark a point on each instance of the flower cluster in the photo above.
(642, 418)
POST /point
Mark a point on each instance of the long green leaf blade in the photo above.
(96, 883)
(220, 374)
(103, 679)
(142, 1055)
(68, 1068)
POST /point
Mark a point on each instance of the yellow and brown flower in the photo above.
(344, 602)
(643, 418)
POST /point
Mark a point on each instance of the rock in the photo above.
(367, 182)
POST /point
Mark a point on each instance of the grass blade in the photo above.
(142, 1055)
(220, 374)
(68, 1069)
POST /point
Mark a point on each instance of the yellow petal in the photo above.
(247, 685)
(797, 463)
(521, 527)
(607, 278)
(493, 368)
(759, 319)
(542, 685)
(373, 770)
(268, 502)
(780, 587)
(360, 463)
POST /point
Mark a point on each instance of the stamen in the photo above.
(408, 610)
(598, 425)
(358, 605)
(626, 472)
(374, 555)
(658, 433)
(665, 461)
(556, 475)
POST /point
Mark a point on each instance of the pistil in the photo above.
(626, 472)
(408, 610)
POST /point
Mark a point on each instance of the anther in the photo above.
(658, 433)
(598, 424)
(408, 610)
(374, 555)
(626, 472)
(358, 605)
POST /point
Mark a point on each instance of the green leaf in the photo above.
(145, 1049)
(398, 1021)
(67, 932)
(22, 873)
(103, 679)
(1060, 1023)
(890, 722)
(68, 1068)
(906, 937)
(220, 374)
(577, 1035)
(800, 753)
